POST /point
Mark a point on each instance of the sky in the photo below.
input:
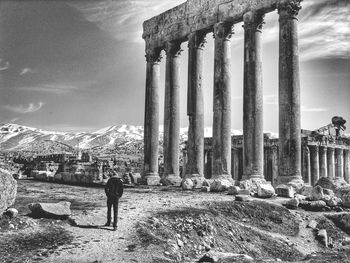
(80, 65)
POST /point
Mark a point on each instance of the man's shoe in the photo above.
(115, 228)
(107, 224)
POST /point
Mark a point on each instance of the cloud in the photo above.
(54, 88)
(307, 109)
(26, 71)
(32, 107)
(4, 64)
(123, 18)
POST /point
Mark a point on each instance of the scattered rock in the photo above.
(328, 192)
(317, 193)
(333, 201)
(243, 198)
(244, 192)
(306, 190)
(334, 184)
(51, 210)
(285, 190)
(323, 237)
(216, 256)
(8, 190)
(265, 190)
(187, 184)
(233, 190)
(171, 179)
(313, 205)
(346, 200)
(220, 185)
(312, 224)
(300, 197)
(205, 189)
(11, 212)
(292, 203)
(207, 182)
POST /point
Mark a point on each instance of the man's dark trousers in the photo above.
(112, 201)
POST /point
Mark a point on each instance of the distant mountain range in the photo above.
(109, 140)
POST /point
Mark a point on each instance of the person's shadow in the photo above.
(89, 226)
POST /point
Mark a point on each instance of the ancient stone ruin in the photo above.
(192, 21)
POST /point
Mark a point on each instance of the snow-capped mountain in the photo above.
(14, 137)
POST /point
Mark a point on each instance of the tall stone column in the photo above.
(315, 167)
(346, 166)
(330, 163)
(289, 95)
(306, 165)
(253, 135)
(151, 126)
(195, 108)
(222, 102)
(172, 115)
(339, 160)
(323, 161)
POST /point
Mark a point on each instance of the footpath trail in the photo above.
(92, 241)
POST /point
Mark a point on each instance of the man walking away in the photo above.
(114, 190)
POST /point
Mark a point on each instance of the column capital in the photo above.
(289, 8)
(197, 40)
(173, 48)
(153, 55)
(253, 20)
(223, 30)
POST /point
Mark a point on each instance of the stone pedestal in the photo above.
(195, 107)
(151, 126)
(222, 102)
(172, 115)
(289, 95)
(253, 136)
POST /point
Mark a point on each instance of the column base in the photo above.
(197, 180)
(171, 179)
(295, 181)
(151, 179)
(252, 182)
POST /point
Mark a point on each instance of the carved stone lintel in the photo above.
(223, 30)
(289, 8)
(173, 49)
(153, 55)
(197, 40)
(253, 20)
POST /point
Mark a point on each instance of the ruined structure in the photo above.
(321, 156)
(192, 21)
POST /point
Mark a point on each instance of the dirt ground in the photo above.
(160, 224)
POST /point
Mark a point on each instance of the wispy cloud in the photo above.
(23, 109)
(4, 64)
(57, 89)
(123, 18)
(25, 71)
(307, 109)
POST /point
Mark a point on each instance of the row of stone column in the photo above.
(289, 103)
(325, 161)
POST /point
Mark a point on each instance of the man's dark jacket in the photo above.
(114, 188)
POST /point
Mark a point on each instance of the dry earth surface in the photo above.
(161, 224)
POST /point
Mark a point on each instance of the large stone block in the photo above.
(265, 190)
(51, 210)
(8, 190)
(285, 190)
(220, 185)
